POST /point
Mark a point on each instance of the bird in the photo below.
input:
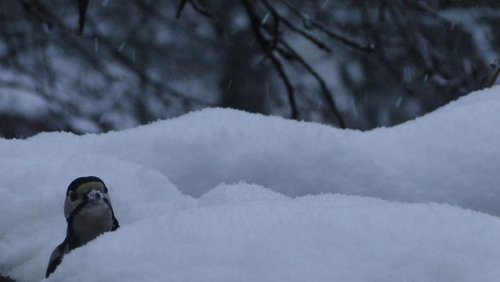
(88, 213)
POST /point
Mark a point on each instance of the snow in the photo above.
(223, 195)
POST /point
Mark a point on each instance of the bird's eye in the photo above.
(72, 196)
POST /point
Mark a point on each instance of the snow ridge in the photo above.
(222, 195)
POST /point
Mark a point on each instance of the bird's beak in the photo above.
(94, 196)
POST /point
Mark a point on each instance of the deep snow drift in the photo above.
(244, 232)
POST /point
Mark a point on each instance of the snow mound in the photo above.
(180, 222)
(449, 156)
(314, 238)
(238, 194)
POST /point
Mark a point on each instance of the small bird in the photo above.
(88, 212)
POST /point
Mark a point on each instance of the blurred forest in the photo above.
(100, 65)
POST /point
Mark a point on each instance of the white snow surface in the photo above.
(299, 204)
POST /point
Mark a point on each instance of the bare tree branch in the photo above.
(200, 9)
(196, 6)
(38, 11)
(180, 8)
(82, 12)
(369, 30)
(311, 38)
(308, 22)
(268, 51)
(272, 43)
(327, 95)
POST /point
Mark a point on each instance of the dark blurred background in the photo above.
(351, 64)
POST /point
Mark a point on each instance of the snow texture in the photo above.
(309, 213)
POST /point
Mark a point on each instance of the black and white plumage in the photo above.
(88, 212)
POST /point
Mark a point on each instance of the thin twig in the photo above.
(370, 31)
(180, 8)
(294, 28)
(314, 24)
(327, 95)
(423, 7)
(268, 51)
(38, 11)
(200, 9)
(196, 6)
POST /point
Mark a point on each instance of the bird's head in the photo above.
(89, 190)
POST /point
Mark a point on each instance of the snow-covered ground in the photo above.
(296, 205)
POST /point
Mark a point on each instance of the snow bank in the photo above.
(449, 156)
(316, 238)
(244, 232)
